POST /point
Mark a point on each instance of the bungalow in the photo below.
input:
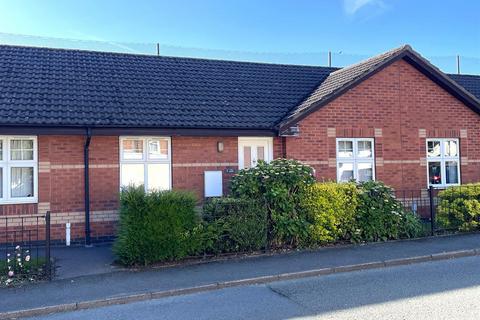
(77, 125)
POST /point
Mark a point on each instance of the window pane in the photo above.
(133, 149)
(21, 149)
(247, 157)
(345, 149)
(132, 174)
(345, 171)
(1, 182)
(451, 172)
(21, 182)
(158, 176)
(364, 149)
(158, 149)
(365, 171)
(1, 150)
(451, 148)
(433, 148)
(434, 172)
(260, 153)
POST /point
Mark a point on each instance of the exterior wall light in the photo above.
(220, 146)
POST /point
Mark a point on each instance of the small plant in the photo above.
(19, 267)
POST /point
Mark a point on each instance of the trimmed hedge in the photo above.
(330, 209)
(155, 226)
(233, 225)
(459, 207)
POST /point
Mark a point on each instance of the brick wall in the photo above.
(192, 156)
(61, 185)
(399, 107)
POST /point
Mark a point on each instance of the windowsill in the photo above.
(443, 186)
(19, 201)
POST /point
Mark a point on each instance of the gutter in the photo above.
(88, 138)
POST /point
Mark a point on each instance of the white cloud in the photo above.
(352, 6)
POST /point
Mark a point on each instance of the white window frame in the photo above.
(443, 159)
(6, 164)
(355, 160)
(145, 159)
(266, 142)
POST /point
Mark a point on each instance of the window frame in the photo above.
(6, 164)
(443, 159)
(146, 160)
(355, 160)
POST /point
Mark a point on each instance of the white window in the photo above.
(443, 165)
(145, 161)
(18, 169)
(355, 159)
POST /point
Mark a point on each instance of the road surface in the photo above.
(436, 290)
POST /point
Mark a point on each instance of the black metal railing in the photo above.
(444, 209)
(25, 242)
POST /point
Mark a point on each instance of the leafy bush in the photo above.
(330, 208)
(278, 185)
(459, 207)
(233, 225)
(380, 216)
(155, 226)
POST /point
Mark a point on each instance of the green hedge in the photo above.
(381, 217)
(279, 185)
(330, 209)
(459, 207)
(155, 226)
(233, 225)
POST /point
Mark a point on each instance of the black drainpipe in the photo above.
(87, 185)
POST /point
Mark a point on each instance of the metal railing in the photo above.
(25, 246)
(444, 209)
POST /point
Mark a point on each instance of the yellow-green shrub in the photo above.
(330, 209)
(459, 207)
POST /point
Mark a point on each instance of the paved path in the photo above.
(446, 289)
(82, 261)
(126, 283)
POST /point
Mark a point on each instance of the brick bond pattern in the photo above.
(399, 107)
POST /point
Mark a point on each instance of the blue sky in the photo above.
(297, 28)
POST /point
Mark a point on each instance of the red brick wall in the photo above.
(192, 156)
(400, 108)
(61, 185)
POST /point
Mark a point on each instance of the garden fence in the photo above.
(427, 203)
(25, 242)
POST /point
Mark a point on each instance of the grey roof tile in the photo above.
(42, 86)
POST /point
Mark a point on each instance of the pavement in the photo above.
(113, 287)
(72, 262)
(447, 289)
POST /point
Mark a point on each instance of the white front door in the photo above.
(251, 150)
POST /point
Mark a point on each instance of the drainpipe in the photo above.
(88, 138)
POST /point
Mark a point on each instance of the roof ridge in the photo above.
(401, 48)
(166, 56)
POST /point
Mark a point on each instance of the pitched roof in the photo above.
(470, 82)
(74, 88)
(58, 87)
(344, 79)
